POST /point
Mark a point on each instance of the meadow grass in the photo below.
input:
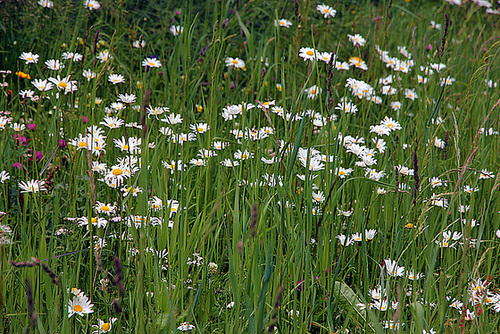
(285, 177)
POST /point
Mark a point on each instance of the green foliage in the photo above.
(289, 224)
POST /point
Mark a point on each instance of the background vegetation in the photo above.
(253, 247)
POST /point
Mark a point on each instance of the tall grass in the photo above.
(249, 248)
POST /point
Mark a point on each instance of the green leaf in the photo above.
(348, 299)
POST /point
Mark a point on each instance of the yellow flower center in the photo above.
(62, 84)
(29, 58)
(313, 91)
(93, 220)
(243, 156)
(77, 308)
(125, 147)
(106, 326)
(200, 129)
(309, 53)
(82, 144)
(341, 173)
(235, 61)
(327, 10)
(117, 171)
(390, 126)
(105, 207)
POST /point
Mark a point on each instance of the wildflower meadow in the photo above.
(265, 166)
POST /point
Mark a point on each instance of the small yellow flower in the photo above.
(278, 87)
(410, 225)
(23, 75)
(199, 108)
